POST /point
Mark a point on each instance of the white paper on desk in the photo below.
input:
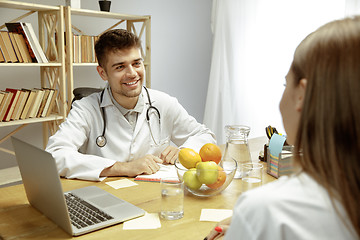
(148, 221)
(122, 183)
(215, 215)
(167, 170)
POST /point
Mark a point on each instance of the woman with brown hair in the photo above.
(320, 108)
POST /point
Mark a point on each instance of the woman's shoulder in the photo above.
(292, 189)
(290, 207)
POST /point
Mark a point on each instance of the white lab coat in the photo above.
(74, 145)
(295, 208)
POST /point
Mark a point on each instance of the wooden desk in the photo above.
(18, 220)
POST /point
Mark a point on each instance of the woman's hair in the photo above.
(114, 40)
(327, 145)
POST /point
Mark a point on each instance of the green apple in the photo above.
(207, 172)
(191, 180)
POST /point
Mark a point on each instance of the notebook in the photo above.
(44, 192)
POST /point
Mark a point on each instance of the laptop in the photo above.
(94, 207)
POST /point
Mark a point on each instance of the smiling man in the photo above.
(127, 129)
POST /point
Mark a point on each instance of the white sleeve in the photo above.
(240, 227)
(64, 146)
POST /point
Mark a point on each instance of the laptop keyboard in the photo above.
(82, 213)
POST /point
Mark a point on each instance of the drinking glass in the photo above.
(252, 175)
(172, 198)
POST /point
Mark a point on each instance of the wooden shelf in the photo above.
(52, 117)
(101, 14)
(27, 6)
(30, 64)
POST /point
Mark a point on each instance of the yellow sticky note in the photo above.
(148, 221)
(121, 183)
(215, 215)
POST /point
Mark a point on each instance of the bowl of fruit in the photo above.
(205, 173)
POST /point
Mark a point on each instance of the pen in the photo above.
(218, 229)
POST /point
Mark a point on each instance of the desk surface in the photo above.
(18, 220)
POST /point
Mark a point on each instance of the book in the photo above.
(22, 47)
(83, 48)
(36, 104)
(5, 106)
(50, 103)
(2, 59)
(93, 55)
(96, 39)
(47, 103)
(36, 42)
(28, 103)
(43, 101)
(18, 105)
(2, 96)
(9, 47)
(22, 102)
(16, 47)
(164, 171)
(88, 49)
(4, 50)
(18, 27)
(3, 103)
(76, 48)
(12, 104)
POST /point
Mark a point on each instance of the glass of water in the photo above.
(252, 175)
(172, 198)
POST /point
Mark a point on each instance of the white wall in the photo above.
(181, 43)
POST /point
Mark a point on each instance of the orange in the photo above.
(189, 158)
(220, 180)
(210, 152)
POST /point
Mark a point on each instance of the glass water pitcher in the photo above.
(237, 147)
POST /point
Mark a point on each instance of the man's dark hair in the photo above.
(114, 40)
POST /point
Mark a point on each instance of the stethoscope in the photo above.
(101, 140)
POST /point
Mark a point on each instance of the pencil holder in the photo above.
(281, 165)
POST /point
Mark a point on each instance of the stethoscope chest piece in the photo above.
(101, 141)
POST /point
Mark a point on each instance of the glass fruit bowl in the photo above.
(208, 178)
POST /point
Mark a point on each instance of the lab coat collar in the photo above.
(106, 101)
(107, 98)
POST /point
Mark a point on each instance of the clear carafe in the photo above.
(237, 146)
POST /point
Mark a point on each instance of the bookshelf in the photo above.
(139, 25)
(50, 22)
(53, 22)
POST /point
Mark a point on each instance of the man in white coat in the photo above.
(107, 133)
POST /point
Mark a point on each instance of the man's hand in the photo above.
(170, 154)
(144, 165)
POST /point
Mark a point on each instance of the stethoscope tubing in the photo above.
(101, 139)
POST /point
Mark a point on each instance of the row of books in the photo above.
(20, 45)
(18, 104)
(84, 48)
